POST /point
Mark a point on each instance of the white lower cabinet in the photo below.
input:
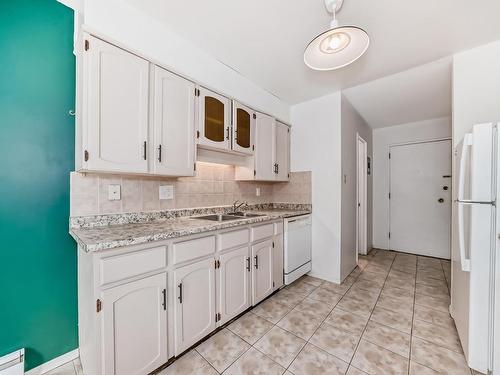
(134, 326)
(194, 309)
(234, 283)
(262, 275)
(278, 261)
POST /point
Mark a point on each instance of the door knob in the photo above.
(440, 200)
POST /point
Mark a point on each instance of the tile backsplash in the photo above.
(213, 185)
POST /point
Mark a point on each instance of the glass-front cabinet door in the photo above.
(214, 120)
(243, 128)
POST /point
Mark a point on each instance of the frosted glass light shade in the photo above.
(336, 48)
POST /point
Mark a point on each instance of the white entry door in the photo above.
(420, 198)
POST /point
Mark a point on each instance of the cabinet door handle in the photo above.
(159, 153)
(164, 303)
(256, 262)
(180, 293)
(227, 133)
(248, 264)
(144, 150)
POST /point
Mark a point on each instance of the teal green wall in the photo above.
(38, 292)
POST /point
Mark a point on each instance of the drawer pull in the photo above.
(164, 303)
(180, 293)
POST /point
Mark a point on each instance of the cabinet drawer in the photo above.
(192, 249)
(278, 227)
(234, 238)
(123, 266)
(262, 231)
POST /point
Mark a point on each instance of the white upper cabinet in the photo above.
(264, 147)
(282, 153)
(243, 129)
(174, 113)
(115, 108)
(214, 120)
(234, 283)
(195, 303)
(134, 326)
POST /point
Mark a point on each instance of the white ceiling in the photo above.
(414, 95)
(264, 40)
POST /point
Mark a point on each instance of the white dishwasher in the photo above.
(297, 253)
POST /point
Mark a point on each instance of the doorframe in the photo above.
(361, 220)
(389, 146)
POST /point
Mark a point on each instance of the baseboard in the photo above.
(54, 363)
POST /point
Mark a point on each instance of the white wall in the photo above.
(352, 124)
(476, 88)
(315, 146)
(125, 25)
(382, 139)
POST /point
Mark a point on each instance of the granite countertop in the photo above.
(96, 238)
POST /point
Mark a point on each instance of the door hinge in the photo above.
(389, 234)
(254, 172)
(197, 134)
(288, 175)
(196, 92)
(87, 45)
(288, 130)
(273, 284)
(217, 264)
(389, 195)
(86, 155)
(217, 317)
(194, 166)
(273, 244)
(98, 305)
(389, 155)
(254, 116)
(253, 147)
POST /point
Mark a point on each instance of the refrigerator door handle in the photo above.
(466, 145)
(464, 262)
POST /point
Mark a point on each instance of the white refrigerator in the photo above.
(475, 246)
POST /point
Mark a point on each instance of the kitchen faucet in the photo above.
(236, 206)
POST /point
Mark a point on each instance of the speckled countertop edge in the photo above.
(164, 225)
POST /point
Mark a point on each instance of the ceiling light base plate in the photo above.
(333, 6)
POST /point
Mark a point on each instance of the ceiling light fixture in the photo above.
(337, 47)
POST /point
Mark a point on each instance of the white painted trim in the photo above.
(361, 248)
(54, 363)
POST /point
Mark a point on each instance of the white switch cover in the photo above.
(114, 192)
(257, 191)
(166, 192)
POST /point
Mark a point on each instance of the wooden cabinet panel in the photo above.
(243, 128)
(282, 153)
(278, 261)
(214, 120)
(173, 122)
(115, 115)
(262, 274)
(134, 326)
(234, 283)
(195, 303)
(264, 147)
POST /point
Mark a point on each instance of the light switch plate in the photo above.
(114, 192)
(166, 192)
(257, 191)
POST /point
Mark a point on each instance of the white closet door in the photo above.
(264, 147)
(174, 140)
(116, 98)
(262, 275)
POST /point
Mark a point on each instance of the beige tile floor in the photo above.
(390, 316)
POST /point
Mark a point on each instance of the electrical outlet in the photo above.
(166, 192)
(257, 191)
(114, 192)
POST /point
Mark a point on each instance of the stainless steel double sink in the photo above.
(229, 216)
